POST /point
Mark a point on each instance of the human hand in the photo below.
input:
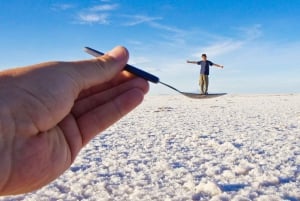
(49, 111)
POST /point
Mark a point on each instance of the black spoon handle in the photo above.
(136, 71)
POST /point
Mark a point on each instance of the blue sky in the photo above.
(257, 41)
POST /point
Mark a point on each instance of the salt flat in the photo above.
(236, 147)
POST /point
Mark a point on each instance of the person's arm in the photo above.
(217, 65)
(192, 62)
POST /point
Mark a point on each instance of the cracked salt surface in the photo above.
(237, 147)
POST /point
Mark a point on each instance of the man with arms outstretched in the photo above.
(204, 72)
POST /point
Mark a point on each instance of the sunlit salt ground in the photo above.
(236, 147)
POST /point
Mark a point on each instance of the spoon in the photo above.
(152, 78)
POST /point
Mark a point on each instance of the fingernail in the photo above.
(119, 53)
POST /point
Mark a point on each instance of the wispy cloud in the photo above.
(104, 7)
(252, 32)
(135, 42)
(170, 35)
(220, 48)
(62, 7)
(165, 27)
(151, 21)
(97, 14)
(93, 18)
(138, 60)
(226, 45)
(139, 19)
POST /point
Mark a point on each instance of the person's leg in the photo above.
(201, 83)
(206, 84)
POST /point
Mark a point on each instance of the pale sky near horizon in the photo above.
(257, 41)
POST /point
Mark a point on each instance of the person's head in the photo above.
(204, 57)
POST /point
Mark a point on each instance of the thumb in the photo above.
(88, 73)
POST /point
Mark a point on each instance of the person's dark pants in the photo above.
(203, 82)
